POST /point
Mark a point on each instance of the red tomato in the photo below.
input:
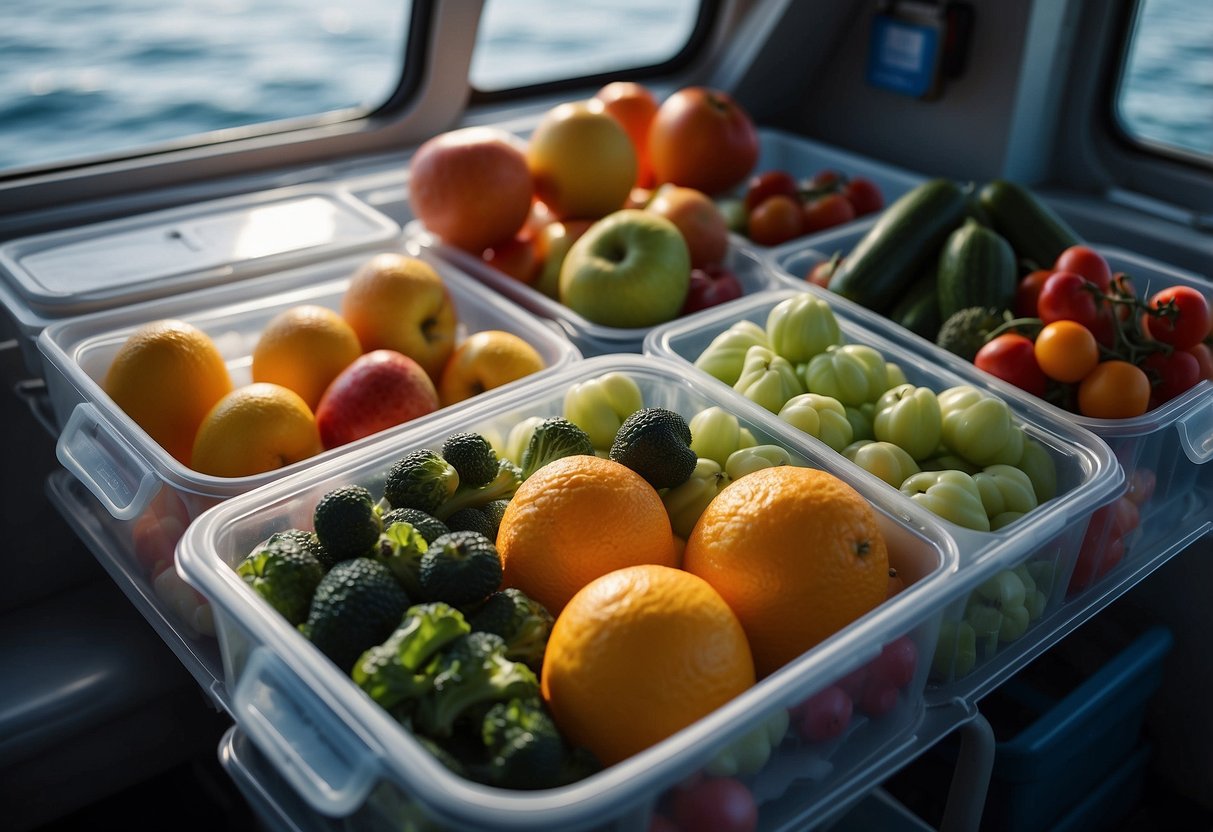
(1141, 485)
(711, 286)
(1102, 548)
(1122, 286)
(1186, 320)
(1087, 262)
(864, 195)
(823, 270)
(1012, 358)
(703, 139)
(826, 212)
(721, 803)
(1067, 296)
(826, 179)
(824, 715)
(1028, 291)
(769, 183)
(1204, 357)
(777, 220)
(1105, 327)
(1171, 374)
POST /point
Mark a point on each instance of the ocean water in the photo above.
(84, 77)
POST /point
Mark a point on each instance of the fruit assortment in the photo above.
(398, 587)
(607, 207)
(776, 207)
(319, 378)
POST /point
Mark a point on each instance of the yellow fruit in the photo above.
(165, 377)
(486, 360)
(796, 553)
(304, 348)
(256, 428)
(639, 654)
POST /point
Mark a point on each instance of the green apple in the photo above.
(630, 269)
(552, 245)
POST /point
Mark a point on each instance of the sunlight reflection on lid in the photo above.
(277, 228)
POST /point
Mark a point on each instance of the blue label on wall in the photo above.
(902, 56)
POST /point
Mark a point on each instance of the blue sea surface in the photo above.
(85, 77)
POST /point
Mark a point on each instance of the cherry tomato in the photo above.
(1066, 351)
(1122, 286)
(1102, 548)
(1011, 357)
(1187, 321)
(1028, 291)
(1114, 390)
(864, 195)
(823, 716)
(1141, 485)
(1204, 357)
(1067, 296)
(1087, 262)
(1126, 516)
(826, 212)
(823, 270)
(776, 220)
(723, 803)
(826, 179)
(1171, 374)
(1105, 327)
(769, 183)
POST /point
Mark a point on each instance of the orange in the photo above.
(639, 654)
(633, 105)
(574, 520)
(304, 348)
(165, 377)
(256, 428)
(796, 553)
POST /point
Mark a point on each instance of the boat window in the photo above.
(541, 41)
(89, 80)
(1164, 98)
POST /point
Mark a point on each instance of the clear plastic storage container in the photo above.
(62, 274)
(347, 757)
(146, 497)
(1164, 452)
(1043, 543)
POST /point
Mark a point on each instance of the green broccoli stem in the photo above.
(503, 486)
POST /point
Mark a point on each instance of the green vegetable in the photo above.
(768, 379)
(422, 480)
(525, 749)
(684, 503)
(472, 520)
(918, 309)
(472, 457)
(749, 753)
(716, 433)
(724, 358)
(895, 250)
(1034, 230)
(553, 439)
(431, 527)
(285, 573)
(459, 568)
(800, 327)
(910, 418)
(976, 268)
(1040, 468)
(472, 671)
(357, 604)
(656, 444)
(495, 510)
(509, 477)
(755, 458)
(819, 416)
(882, 459)
(600, 405)
(979, 427)
(347, 523)
(400, 548)
(521, 621)
(861, 421)
(309, 541)
(965, 331)
(853, 374)
(403, 667)
(1005, 489)
(950, 494)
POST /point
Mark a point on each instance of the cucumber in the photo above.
(1034, 230)
(908, 234)
(976, 268)
(918, 309)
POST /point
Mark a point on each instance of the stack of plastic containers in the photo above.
(1164, 452)
(145, 496)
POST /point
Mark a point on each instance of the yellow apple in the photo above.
(485, 361)
(551, 246)
(397, 302)
(582, 162)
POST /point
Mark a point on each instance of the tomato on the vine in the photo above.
(1066, 351)
(1012, 358)
(1114, 390)
(1067, 296)
(1204, 357)
(826, 212)
(776, 220)
(1087, 262)
(864, 195)
(1173, 374)
(1027, 292)
(823, 270)
(767, 184)
(1185, 322)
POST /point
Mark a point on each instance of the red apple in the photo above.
(711, 286)
(514, 257)
(381, 389)
(702, 224)
(703, 139)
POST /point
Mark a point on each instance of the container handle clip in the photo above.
(106, 463)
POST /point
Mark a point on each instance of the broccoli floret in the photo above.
(472, 671)
(431, 527)
(403, 667)
(473, 520)
(309, 541)
(521, 621)
(347, 522)
(656, 443)
(284, 573)
(554, 438)
(400, 548)
(965, 331)
(472, 456)
(495, 509)
(524, 746)
(422, 480)
(356, 606)
(508, 478)
(461, 567)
